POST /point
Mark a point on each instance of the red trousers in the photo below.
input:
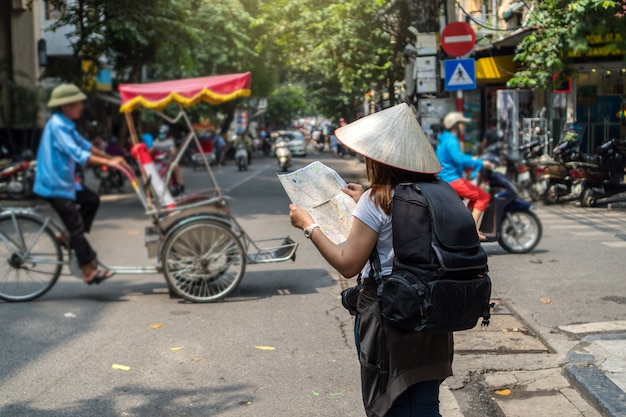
(478, 198)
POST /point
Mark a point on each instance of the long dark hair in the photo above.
(384, 179)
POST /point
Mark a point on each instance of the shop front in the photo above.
(599, 90)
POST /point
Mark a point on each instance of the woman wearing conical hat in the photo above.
(405, 376)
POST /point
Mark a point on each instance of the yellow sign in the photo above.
(600, 45)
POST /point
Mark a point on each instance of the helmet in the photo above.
(163, 131)
(65, 94)
(453, 118)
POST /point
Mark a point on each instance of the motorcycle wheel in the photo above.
(587, 199)
(534, 194)
(17, 195)
(551, 196)
(520, 231)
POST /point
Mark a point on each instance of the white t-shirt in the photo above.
(376, 219)
(164, 144)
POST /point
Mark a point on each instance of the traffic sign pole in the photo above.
(458, 39)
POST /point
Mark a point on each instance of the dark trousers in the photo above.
(419, 400)
(78, 216)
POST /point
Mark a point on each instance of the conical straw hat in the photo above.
(393, 137)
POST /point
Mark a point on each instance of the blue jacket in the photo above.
(60, 148)
(452, 159)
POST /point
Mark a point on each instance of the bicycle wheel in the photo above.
(31, 259)
(203, 260)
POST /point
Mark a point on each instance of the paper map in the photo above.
(317, 188)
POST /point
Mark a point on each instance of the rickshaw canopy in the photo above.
(215, 89)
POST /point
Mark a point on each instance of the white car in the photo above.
(297, 141)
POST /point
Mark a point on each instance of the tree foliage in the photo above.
(562, 32)
(287, 103)
(337, 49)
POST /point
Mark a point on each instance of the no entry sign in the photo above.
(458, 39)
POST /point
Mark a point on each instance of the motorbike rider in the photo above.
(244, 139)
(454, 163)
(61, 148)
(167, 143)
(336, 147)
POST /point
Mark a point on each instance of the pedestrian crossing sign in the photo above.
(460, 74)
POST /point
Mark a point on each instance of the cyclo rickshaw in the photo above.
(200, 248)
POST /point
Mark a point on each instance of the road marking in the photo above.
(602, 326)
(246, 179)
(590, 233)
(620, 244)
(571, 226)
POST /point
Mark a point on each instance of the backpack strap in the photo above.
(375, 268)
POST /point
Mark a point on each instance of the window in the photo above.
(52, 12)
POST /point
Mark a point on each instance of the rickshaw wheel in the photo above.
(203, 260)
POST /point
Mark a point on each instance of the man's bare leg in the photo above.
(477, 215)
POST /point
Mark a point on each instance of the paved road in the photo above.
(282, 344)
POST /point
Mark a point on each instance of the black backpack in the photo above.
(439, 281)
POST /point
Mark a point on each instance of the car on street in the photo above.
(297, 141)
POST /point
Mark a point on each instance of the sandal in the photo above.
(100, 276)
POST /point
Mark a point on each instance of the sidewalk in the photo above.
(596, 366)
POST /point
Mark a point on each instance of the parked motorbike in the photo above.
(518, 170)
(508, 219)
(552, 179)
(283, 154)
(241, 157)
(17, 179)
(110, 179)
(604, 181)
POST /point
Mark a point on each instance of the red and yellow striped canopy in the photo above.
(215, 89)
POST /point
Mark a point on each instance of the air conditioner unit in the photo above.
(20, 5)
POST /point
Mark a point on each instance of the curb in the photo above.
(580, 371)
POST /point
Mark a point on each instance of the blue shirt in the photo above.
(218, 141)
(61, 147)
(452, 159)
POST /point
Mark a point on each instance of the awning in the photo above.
(216, 89)
(112, 98)
(505, 45)
(497, 69)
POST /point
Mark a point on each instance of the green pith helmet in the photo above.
(65, 94)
